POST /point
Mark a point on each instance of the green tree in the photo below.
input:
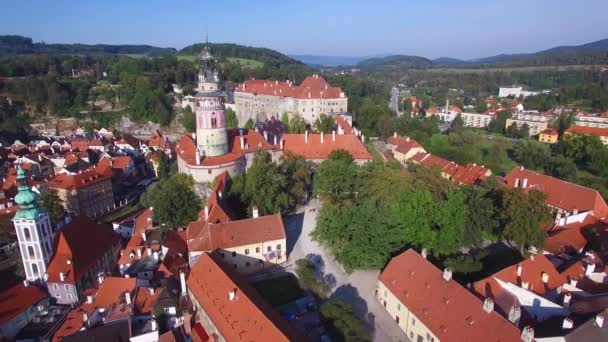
(175, 203)
(498, 124)
(285, 119)
(345, 325)
(482, 220)
(297, 125)
(231, 120)
(336, 177)
(295, 170)
(50, 201)
(307, 277)
(249, 124)
(324, 123)
(522, 215)
(188, 119)
(457, 123)
(163, 168)
(531, 154)
(524, 131)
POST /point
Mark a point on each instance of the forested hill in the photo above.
(19, 45)
(396, 61)
(264, 55)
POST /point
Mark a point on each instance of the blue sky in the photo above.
(429, 28)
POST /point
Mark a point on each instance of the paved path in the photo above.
(357, 288)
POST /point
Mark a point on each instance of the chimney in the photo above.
(127, 297)
(143, 236)
(488, 305)
(274, 139)
(194, 137)
(516, 185)
(573, 282)
(527, 335)
(525, 183)
(85, 318)
(515, 315)
(242, 142)
(306, 137)
(519, 269)
(89, 299)
(155, 255)
(153, 324)
(265, 135)
(447, 105)
(61, 276)
(567, 298)
(151, 290)
(407, 139)
(139, 254)
(447, 274)
(525, 285)
(100, 279)
(599, 320)
(281, 143)
(182, 282)
(206, 212)
(232, 295)
(545, 277)
(589, 269)
(198, 156)
(363, 138)
(255, 212)
(567, 324)
(394, 134)
(26, 283)
(424, 253)
(149, 250)
(321, 137)
(333, 135)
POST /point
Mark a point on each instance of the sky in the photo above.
(428, 28)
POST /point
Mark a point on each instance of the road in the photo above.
(357, 288)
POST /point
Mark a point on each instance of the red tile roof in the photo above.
(17, 300)
(203, 236)
(471, 174)
(314, 149)
(345, 125)
(245, 318)
(560, 194)
(447, 309)
(157, 141)
(115, 163)
(445, 165)
(550, 131)
(433, 110)
(568, 238)
(407, 146)
(532, 270)
(82, 243)
(314, 87)
(602, 132)
(186, 150)
(77, 181)
(144, 300)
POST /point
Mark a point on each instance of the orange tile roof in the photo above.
(17, 300)
(186, 150)
(550, 131)
(77, 181)
(433, 110)
(82, 243)
(144, 301)
(342, 123)
(446, 308)
(313, 87)
(568, 238)
(157, 141)
(560, 194)
(314, 149)
(531, 273)
(143, 222)
(125, 254)
(471, 174)
(245, 318)
(445, 165)
(116, 163)
(203, 236)
(602, 132)
(405, 147)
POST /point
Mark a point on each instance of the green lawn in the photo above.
(120, 213)
(280, 291)
(189, 58)
(244, 62)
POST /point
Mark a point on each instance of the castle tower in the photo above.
(34, 231)
(211, 137)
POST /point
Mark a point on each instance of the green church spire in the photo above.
(26, 198)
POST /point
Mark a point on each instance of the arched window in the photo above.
(30, 252)
(35, 270)
(26, 234)
(213, 120)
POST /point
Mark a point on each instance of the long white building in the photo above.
(260, 99)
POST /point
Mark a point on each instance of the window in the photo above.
(66, 287)
(411, 335)
(413, 321)
(35, 270)
(260, 261)
(278, 247)
(26, 234)
(235, 266)
(58, 296)
(30, 252)
(222, 254)
(233, 254)
(208, 172)
(247, 264)
(270, 248)
(55, 286)
(385, 293)
(257, 250)
(397, 319)
(246, 251)
(398, 306)
(279, 256)
(69, 297)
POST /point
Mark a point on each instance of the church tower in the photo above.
(211, 137)
(34, 231)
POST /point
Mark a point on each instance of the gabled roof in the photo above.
(343, 124)
(471, 174)
(445, 307)
(18, 299)
(313, 87)
(445, 165)
(113, 163)
(79, 245)
(247, 317)
(204, 236)
(314, 149)
(602, 132)
(157, 141)
(560, 194)
(77, 181)
(550, 131)
(569, 237)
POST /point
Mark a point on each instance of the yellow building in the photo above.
(548, 136)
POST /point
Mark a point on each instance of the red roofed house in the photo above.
(549, 135)
(18, 306)
(317, 147)
(447, 168)
(159, 143)
(471, 174)
(533, 285)
(403, 148)
(86, 193)
(229, 309)
(84, 250)
(261, 99)
(121, 166)
(601, 133)
(428, 305)
(564, 197)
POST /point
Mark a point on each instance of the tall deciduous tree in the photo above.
(50, 201)
(297, 125)
(343, 321)
(175, 202)
(336, 176)
(324, 123)
(297, 178)
(231, 120)
(523, 214)
(188, 119)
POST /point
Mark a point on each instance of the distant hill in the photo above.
(19, 45)
(450, 61)
(330, 61)
(263, 55)
(396, 62)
